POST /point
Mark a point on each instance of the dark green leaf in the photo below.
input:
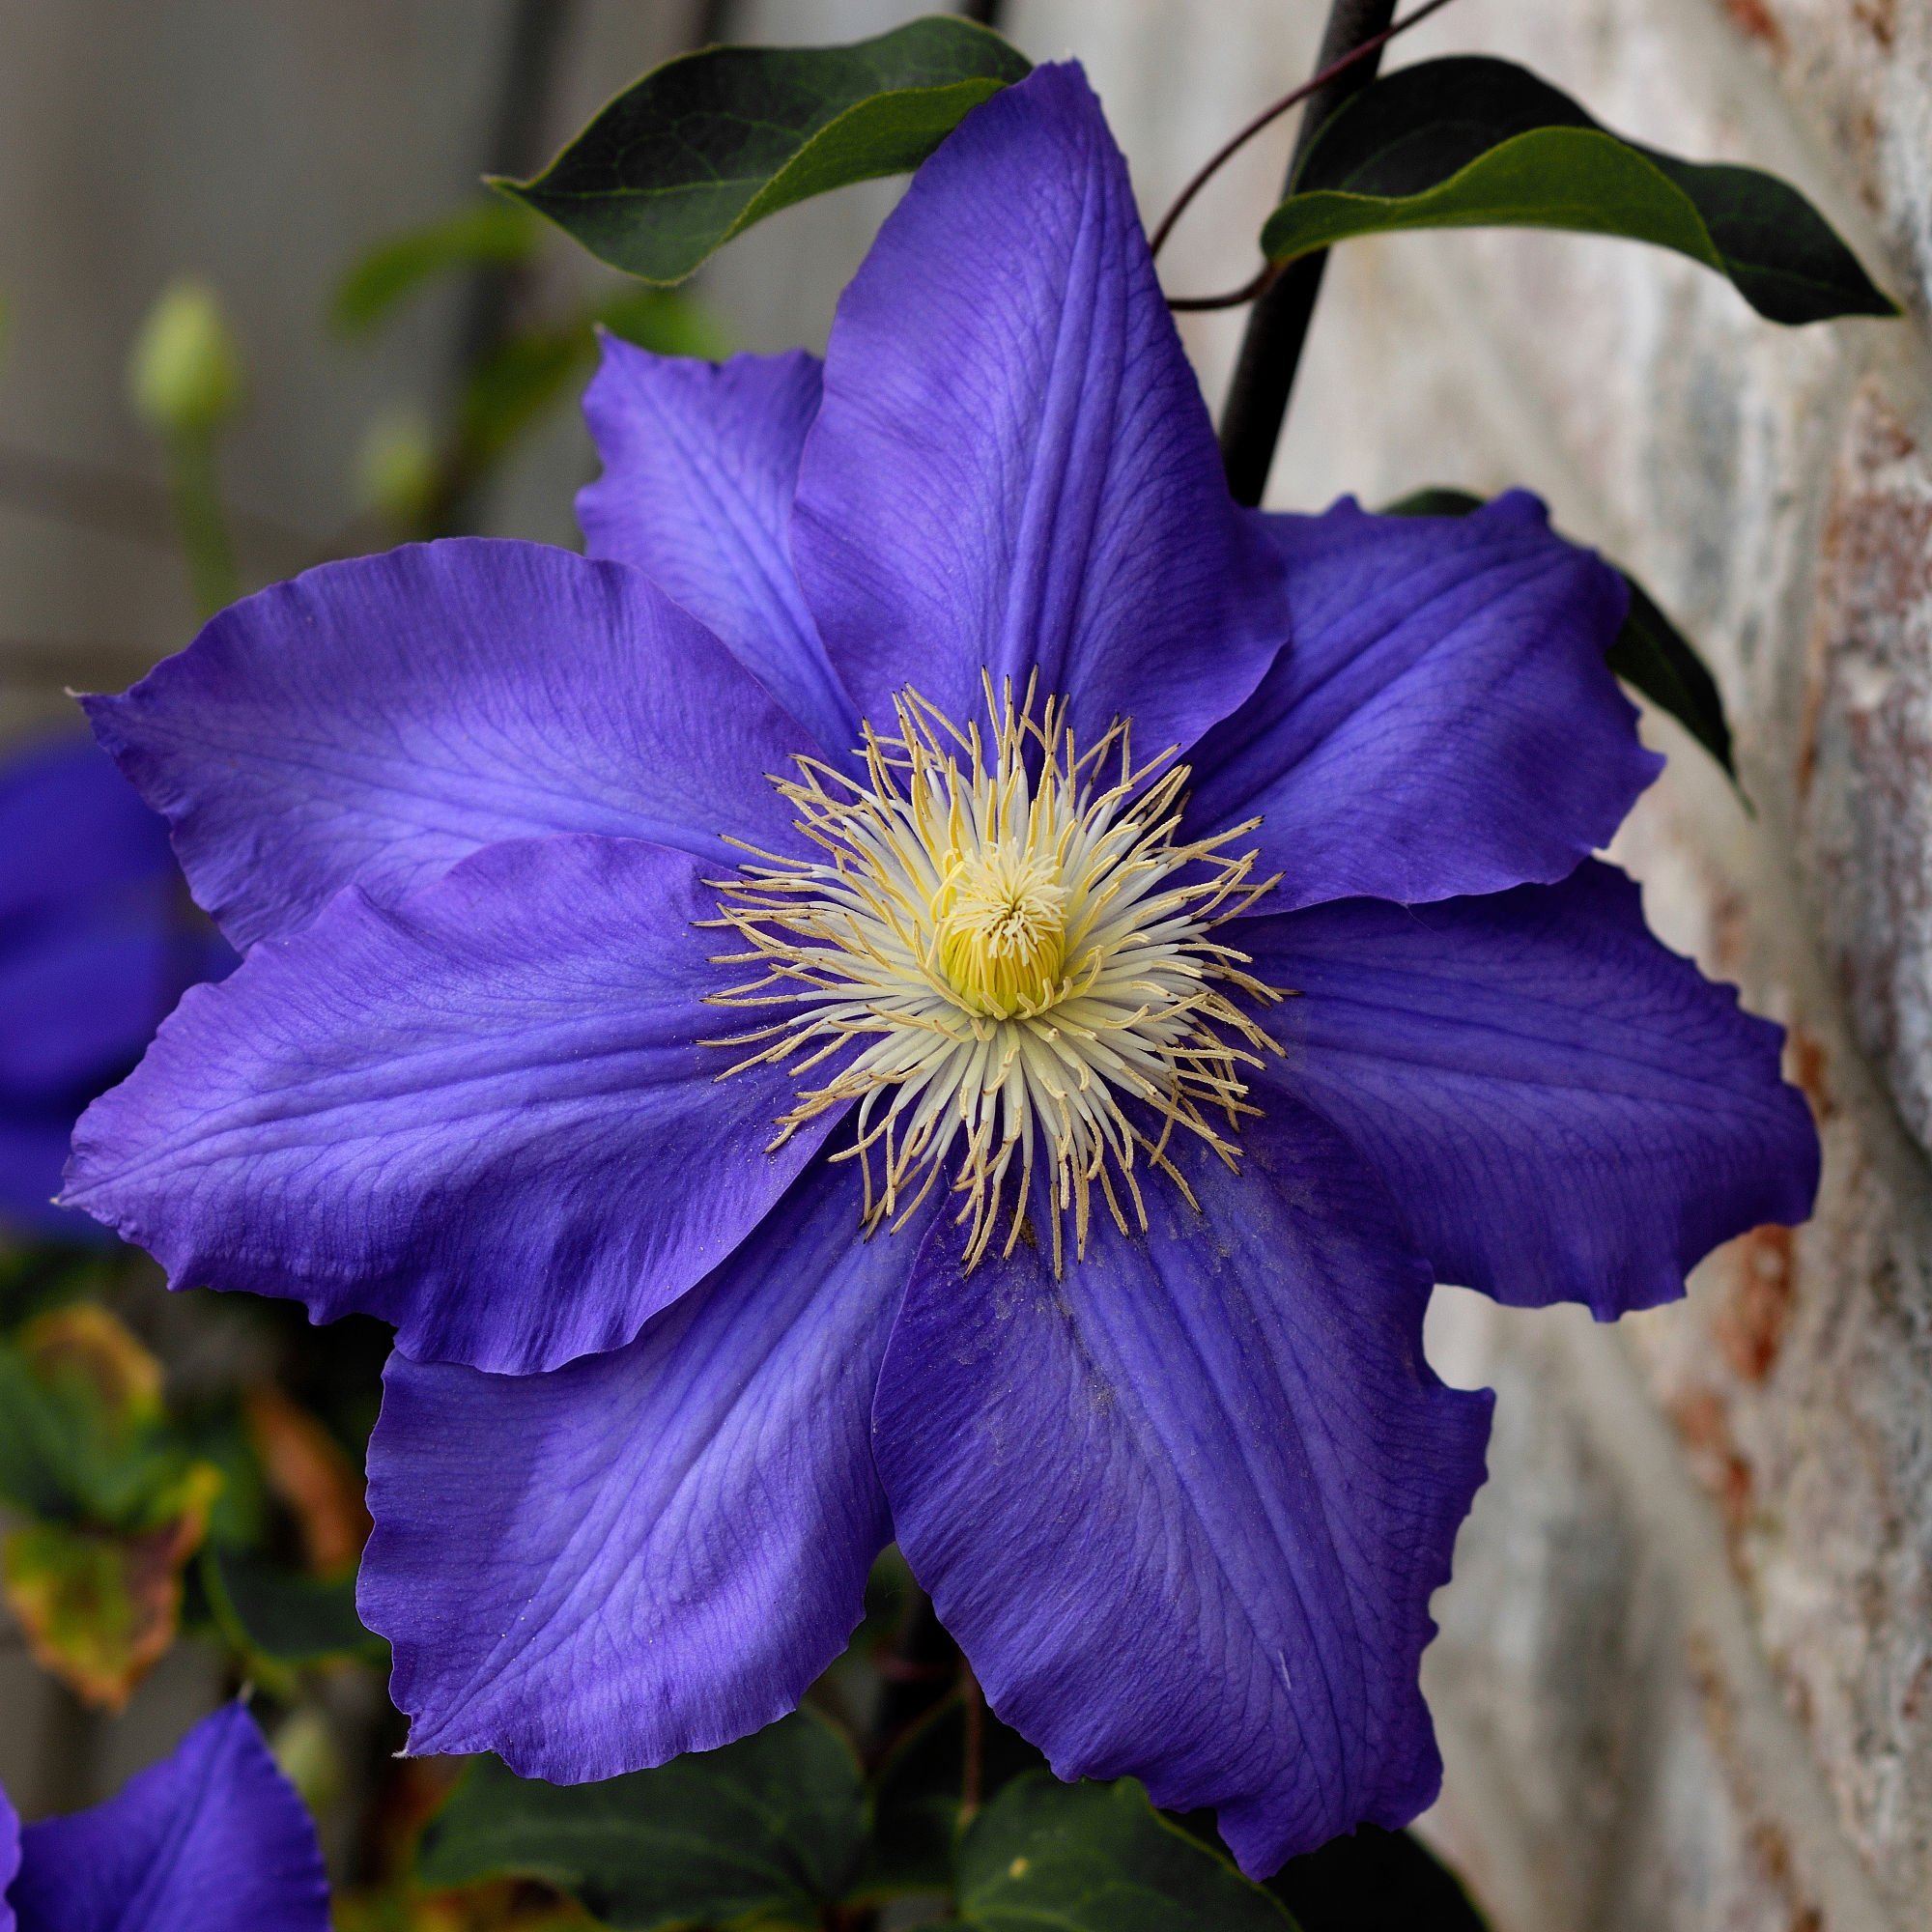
(704, 145)
(1435, 500)
(1650, 653)
(1098, 1858)
(1470, 142)
(772, 1826)
(487, 232)
(1375, 1881)
(918, 1795)
(1652, 656)
(285, 1619)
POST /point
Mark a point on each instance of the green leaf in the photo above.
(517, 384)
(285, 1619)
(1652, 656)
(772, 1826)
(1650, 653)
(1434, 500)
(97, 1608)
(663, 321)
(702, 147)
(1475, 143)
(83, 1436)
(528, 374)
(1098, 1858)
(484, 234)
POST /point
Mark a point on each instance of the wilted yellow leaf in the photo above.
(85, 1349)
(98, 1609)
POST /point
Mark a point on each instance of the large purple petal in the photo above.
(213, 1837)
(484, 1116)
(1183, 1508)
(33, 1151)
(1012, 469)
(701, 461)
(1443, 721)
(375, 720)
(9, 1858)
(72, 827)
(649, 1552)
(81, 993)
(95, 940)
(1566, 1109)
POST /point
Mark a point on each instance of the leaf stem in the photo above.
(1253, 290)
(1236, 142)
(205, 538)
(1256, 403)
(116, 504)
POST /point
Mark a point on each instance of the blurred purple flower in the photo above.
(98, 942)
(1138, 1385)
(213, 1837)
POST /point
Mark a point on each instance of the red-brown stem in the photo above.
(1236, 142)
(1251, 291)
(972, 1776)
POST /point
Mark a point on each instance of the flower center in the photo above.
(1001, 951)
(1000, 922)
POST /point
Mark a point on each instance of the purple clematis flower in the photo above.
(945, 984)
(96, 944)
(213, 1837)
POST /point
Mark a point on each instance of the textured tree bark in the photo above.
(1257, 402)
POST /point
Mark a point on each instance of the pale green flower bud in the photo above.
(185, 373)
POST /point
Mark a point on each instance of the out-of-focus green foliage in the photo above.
(282, 1620)
(538, 368)
(116, 1502)
(396, 475)
(185, 370)
(415, 479)
(483, 234)
(184, 383)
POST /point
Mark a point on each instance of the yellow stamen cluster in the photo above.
(1002, 946)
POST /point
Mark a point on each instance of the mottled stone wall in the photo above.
(1685, 1676)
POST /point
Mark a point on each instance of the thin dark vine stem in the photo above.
(1232, 145)
(1256, 403)
(971, 1776)
(538, 37)
(1249, 291)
